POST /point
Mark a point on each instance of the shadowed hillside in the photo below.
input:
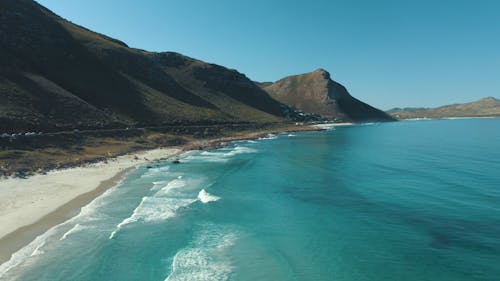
(316, 92)
(56, 75)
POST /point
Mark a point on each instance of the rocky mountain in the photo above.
(56, 75)
(486, 107)
(316, 92)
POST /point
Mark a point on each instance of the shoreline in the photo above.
(448, 118)
(330, 125)
(32, 206)
(16, 240)
(43, 201)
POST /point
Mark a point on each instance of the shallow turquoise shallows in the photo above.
(415, 200)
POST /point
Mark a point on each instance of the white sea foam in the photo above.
(205, 258)
(240, 150)
(206, 197)
(215, 159)
(151, 172)
(221, 155)
(232, 152)
(77, 227)
(208, 153)
(153, 209)
(159, 169)
(88, 212)
(177, 183)
(269, 137)
(38, 250)
(158, 207)
(418, 119)
(332, 126)
(160, 182)
(30, 250)
(291, 135)
(326, 127)
(34, 248)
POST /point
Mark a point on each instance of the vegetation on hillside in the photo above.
(316, 92)
(55, 75)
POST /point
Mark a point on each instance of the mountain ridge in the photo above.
(484, 107)
(56, 75)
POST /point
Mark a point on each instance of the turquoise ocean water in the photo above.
(415, 200)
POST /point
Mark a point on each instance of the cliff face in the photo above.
(486, 107)
(55, 75)
(316, 92)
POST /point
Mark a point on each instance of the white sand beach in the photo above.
(24, 202)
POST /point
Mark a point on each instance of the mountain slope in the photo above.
(56, 75)
(316, 92)
(486, 107)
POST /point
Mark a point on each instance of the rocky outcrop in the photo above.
(316, 92)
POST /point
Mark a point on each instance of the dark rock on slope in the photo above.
(316, 92)
(55, 75)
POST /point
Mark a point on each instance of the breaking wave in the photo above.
(269, 137)
(221, 155)
(74, 229)
(206, 197)
(155, 171)
(158, 207)
(205, 258)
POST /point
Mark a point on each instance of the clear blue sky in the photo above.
(386, 52)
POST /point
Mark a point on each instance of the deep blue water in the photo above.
(398, 201)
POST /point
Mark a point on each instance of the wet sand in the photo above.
(29, 207)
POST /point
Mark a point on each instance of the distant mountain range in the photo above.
(486, 107)
(56, 75)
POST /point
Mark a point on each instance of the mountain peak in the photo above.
(489, 99)
(320, 71)
(316, 93)
(55, 75)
